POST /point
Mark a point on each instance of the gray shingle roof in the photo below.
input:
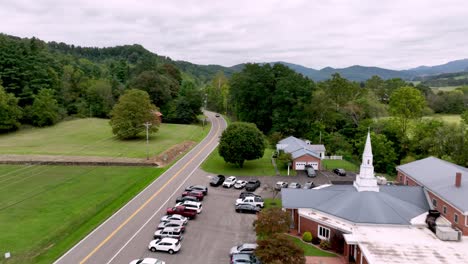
(392, 205)
(294, 144)
(301, 152)
(438, 176)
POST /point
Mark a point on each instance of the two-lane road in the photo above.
(112, 241)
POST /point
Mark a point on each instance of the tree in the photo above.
(10, 112)
(464, 117)
(406, 103)
(383, 151)
(131, 112)
(272, 221)
(45, 110)
(279, 248)
(241, 141)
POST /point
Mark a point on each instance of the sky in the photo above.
(394, 34)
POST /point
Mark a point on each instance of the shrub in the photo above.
(307, 236)
(316, 240)
(325, 244)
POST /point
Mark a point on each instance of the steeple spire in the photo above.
(365, 180)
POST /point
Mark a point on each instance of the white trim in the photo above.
(326, 229)
(466, 220)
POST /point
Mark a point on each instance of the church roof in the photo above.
(392, 205)
(439, 177)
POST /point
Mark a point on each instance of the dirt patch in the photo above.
(173, 153)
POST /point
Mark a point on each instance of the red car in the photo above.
(197, 194)
(182, 210)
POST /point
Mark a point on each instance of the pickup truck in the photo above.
(253, 200)
(182, 210)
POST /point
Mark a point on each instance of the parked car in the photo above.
(197, 206)
(252, 185)
(173, 223)
(174, 217)
(239, 184)
(309, 185)
(217, 180)
(253, 200)
(247, 248)
(242, 195)
(340, 172)
(197, 194)
(279, 185)
(181, 199)
(310, 171)
(170, 232)
(243, 258)
(229, 182)
(294, 185)
(247, 208)
(182, 210)
(167, 244)
(199, 188)
(147, 261)
(217, 115)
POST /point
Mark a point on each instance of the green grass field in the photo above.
(93, 137)
(450, 119)
(310, 250)
(45, 210)
(261, 167)
(344, 164)
(444, 88)
(272, 202)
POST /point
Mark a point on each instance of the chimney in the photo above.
(458, 179)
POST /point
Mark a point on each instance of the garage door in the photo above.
(300, 165)
(314, 165)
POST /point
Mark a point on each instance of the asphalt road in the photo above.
(126, 234)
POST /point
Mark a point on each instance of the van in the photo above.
(310, 171)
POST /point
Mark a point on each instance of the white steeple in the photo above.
(365, 180)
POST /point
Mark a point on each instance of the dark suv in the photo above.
(217, 180)
(199, 188)
(340, 172)
(252, 185)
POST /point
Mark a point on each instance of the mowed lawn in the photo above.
(93, 137)
(45, 210)
(310, 250)
(260, 167)
(343, 164)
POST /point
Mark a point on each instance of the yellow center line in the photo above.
(146, 203)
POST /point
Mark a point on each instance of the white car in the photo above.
(178, 217)
(173, 223)
(197, 206)
(246, 248)
(229, 182)
(253, 200)
(169, 232)
(239, 184)
(169, 245)
(147, 261)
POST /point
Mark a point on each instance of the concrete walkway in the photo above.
(324, 260)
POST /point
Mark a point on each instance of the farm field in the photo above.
(44, 210)
(93, 137)
(261, 167)
(450, 119)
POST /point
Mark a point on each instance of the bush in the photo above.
(325, 244)
(307, 236)
(316, 240)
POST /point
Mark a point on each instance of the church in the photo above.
(370, 223)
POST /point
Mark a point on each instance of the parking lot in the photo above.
(210, 236)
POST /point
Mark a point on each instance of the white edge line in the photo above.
(108, 219)
(157, 211)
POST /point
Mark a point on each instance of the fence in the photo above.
(333, 157)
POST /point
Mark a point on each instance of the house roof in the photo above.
(301, 152)
(392, 205)
(293, 144)
(438, 176)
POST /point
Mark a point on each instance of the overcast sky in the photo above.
(395, 34)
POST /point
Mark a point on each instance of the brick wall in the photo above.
(312, 226)
(307, 158)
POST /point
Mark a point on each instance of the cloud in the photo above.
(395, 34)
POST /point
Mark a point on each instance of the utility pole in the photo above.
(147, 125)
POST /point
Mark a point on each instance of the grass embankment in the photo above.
(45, 210)
(272, 202)
(310, 250)
(93, 137)
(260, 167)
(344, 164)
